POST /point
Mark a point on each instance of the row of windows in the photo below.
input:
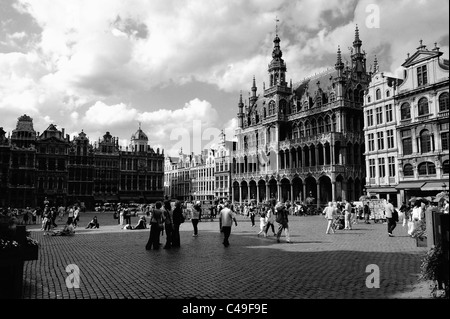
(425, 168)
(378, 95)
(425, 142)
(388, 112)
(423, 107)
(380, 140)
(382, 167)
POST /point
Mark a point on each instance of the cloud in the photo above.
(109, 115)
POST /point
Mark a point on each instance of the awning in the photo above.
(382, 190)
(433, 186)
(410, 185)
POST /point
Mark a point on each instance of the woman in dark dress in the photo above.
(178, 219)
(156, 220)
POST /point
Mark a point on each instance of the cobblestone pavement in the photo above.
(114, 264)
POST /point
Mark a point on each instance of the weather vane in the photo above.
(276, 24)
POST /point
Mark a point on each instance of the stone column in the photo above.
(304, 191)
(257, 193)
(318, 194)
(279, 191)
(333, 191)
(240, 193)
(267, 191)
(292, 192)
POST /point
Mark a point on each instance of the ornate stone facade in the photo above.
(303, 140)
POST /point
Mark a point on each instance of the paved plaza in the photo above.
(114, 264)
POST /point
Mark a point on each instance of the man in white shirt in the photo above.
(226, 218)
(389, 211)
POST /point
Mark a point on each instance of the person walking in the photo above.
(76, 216)
(226, 218)
(283, 221)
(178, 219)
(168, 224)
(389, 212)
(330, 214)
(270, 219)
(404, 209)
(348, 215)
(366, 209)
(195, 217)
(156, 222)
(33, 217)
(262, 219)
(252, 212)
(127, 215)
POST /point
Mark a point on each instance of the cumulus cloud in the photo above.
(109, 115)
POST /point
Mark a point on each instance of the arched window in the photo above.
(321, 126)
(319, 101)
(408, 170)
(405, 111)
(378, 94)
(327, 124)
(271, 108)
(423, 106)
(445, 167)
(299, 106)
(369, 99)
(282, 107)
(425, 141)
(305, 105)
(443, 102)
(301, 129)
(314, 127)
(388, 93)
(350, 94)
(264, 112)
(307, 129)
(427, 168)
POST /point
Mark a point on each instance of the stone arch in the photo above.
(325, 195)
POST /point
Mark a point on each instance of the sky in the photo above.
(176, 68)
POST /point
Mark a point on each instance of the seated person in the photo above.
(142, 223)
(68, 230)
(93, 223)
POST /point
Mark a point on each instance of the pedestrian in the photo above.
(195, 217)
(330, 214)
(353, 213)
(33, 217)
(262, 219)
(47, 222)
(282, 220)
(70, 215)
(127, 215)
(390, 213)
(446, 207)
(156, 223)
(404, 209)
(93, 223)
(366, 209)
(416, 217)
(270, 219)
(168, 224)
(121, 216)
(226, 218)
(38, 215)
(26, 216)
(76, 216)
(252, 213)
(348, 214)
(54, 215)
(61, 212)
(178, 219)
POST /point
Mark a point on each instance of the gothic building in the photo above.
(303, 140)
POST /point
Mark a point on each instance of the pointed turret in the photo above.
(357, 43)
(375, 65)
(241, 111)
(253, 97)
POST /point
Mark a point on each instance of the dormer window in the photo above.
(378, 94)
(422, 75)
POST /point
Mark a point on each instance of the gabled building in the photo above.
(52, 159)
(380, 122)
(423, 124)
(81, 172)
(22, 169)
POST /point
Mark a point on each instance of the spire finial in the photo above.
(375, 64)
(357, 33)
(276, 24)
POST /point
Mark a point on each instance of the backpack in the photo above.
(280, 217)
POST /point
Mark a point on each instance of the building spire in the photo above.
(339, 65)
(375, 65)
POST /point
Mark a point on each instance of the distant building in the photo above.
(50, 167)
(223, 161)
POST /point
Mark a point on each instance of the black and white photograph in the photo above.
(221, 157)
